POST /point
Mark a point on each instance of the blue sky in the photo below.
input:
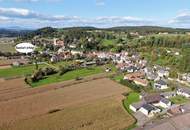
(98, 13)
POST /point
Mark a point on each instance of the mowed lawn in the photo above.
(69, 76)
(131, 98)
(17, 71)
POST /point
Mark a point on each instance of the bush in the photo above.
(131, 85)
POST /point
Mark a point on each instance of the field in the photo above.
(17, 71)
(8, 47)
(90, 105)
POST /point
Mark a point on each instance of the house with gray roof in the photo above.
(160, 84)
(136, 106)
(165, 103)
(168, 94)
(183, 91)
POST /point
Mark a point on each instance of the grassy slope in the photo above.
(24, 70)
(69, 76)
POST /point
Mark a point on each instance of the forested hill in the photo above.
(149, 29)
(140, 29)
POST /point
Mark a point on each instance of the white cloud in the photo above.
(182, 19)
(100, 2)
(25, 17)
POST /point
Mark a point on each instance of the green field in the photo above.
(179, 100)
(108, 42)
(69, 76)
(18, 71)
(24, 70)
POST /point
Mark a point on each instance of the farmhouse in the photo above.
(149, 110)
(160, 84)
(183, 92)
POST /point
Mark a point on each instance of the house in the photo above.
(165, 103)
(183, 92)
(131, 69)
(152, 76)
(133, 76)
(58, 42)
(90, 63)
(163, 73)
(136, 106)
(160, 84)
(54, 59)
(142, 82)
(16, 63)
(149, 110)
(168, 94)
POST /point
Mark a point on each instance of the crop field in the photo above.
(95, 104)
(102, 114)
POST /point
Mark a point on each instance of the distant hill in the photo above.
(12, 32)
(149, 29)
(47, 31)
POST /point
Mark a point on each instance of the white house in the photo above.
(131, 69)
(168, 94)
(165, 103)
(163, 72)
(183, 92)
(160, 84)
(149, 110)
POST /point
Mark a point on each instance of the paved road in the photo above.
(180, 122)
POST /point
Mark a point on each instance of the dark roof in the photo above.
(132, 68)
(161, 82)
(184, 89)
(165, 94)
(148, 107)
(153, 98)
(138, 105)
(164, 100)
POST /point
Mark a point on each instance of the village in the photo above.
(159, 94)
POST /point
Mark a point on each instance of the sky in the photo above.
(97, 13)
